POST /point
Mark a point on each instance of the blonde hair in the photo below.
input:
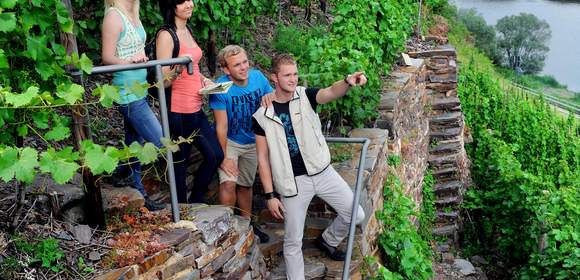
(229, 50)
(281, 59)
(115, 3)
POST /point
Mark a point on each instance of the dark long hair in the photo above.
(167, 8)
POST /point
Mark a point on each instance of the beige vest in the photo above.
(309, 136)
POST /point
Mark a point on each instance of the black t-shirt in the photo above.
(282, 110)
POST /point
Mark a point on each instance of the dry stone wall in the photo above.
(447, 157)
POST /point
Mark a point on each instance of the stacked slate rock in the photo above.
(216, 245)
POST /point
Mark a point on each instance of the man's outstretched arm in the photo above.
(339, 88)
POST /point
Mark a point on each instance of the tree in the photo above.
(523, 40)
(484, 35)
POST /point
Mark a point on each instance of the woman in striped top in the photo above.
(123, 42)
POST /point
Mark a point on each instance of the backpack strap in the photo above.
(173, 34)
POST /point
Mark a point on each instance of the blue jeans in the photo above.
(206, 142)
(142, 126)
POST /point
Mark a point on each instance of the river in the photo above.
(563, 60)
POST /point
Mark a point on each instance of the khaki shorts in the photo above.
(247, 160)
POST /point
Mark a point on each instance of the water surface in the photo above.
(563, 60)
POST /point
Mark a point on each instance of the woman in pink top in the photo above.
(184, 101)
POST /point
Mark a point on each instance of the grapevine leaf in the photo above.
(36, 48)
(8, 159)
(63, 18)
(100, 161)
(148, 154)
(8, 4)
(135, 148)
(108, 94)
(86, 64)
(3, 61)
(40, 119)
(71, 93)
(139, 89)
(170, 145)
(61, 165)
(22, 130)
(19, 100)
(7, 22)
(26, 165)
(57, 133)
(45, 70)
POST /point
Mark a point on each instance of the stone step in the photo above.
(442, 217)
(312, 270)
(276, 242)
(450, 77)
(447, 188)
(445, 147)
(445, 133)
(448, 104)
(444, 160)
(448, 201)
(445, 174)
(447, 118)
(448, 230)
(388, 101)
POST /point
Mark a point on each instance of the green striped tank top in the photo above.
(131, 42)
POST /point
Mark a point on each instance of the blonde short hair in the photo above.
(282, 59)
(229, 50)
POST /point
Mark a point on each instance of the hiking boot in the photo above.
(264, 238)
(332, 252)
(153, 205)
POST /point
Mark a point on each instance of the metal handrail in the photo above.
(355, 203)
(157, 64)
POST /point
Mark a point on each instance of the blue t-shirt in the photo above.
(241, 103)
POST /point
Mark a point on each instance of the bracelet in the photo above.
(268, 196)
(346, 81)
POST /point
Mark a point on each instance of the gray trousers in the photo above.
(330, 187)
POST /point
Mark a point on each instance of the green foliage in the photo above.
(427, 214)
(291, 39)
(47, 253)
(538, 82)
(526, 164)
(485, 37)
(394, 160)
(367, 36)
(406, 254)
(523, 40)
(340, 152)
(83, 268)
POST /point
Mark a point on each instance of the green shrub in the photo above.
(526, 161)
(485, 38)
(406, 254)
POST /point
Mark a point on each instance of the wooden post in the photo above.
(94, 203)
(211, 52)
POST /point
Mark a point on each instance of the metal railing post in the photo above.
(355, 203)
(169, 154)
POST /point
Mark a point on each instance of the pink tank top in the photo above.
(185, 96)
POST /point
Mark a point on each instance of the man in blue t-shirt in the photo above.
(233, 116)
